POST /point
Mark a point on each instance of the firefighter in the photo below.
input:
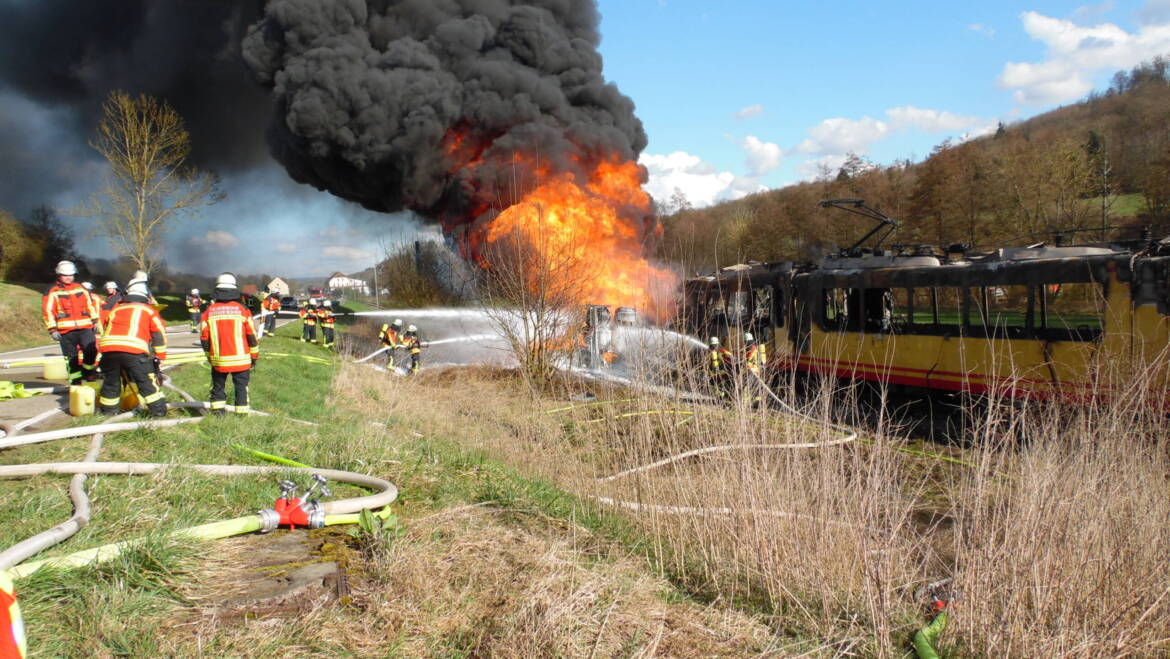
(113, 297)
(309, 318)
(755, 355)
(229, 339)
(414, 346)
(132, 344)
(719, 361)
(391, 338)
(755, 358)
(70, 318)
(195, 308)
(94, 298)
(271, 309)
(141, 277)
(327, 320)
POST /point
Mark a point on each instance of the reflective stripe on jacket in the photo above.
(757, 358)
(309, 316)
(68, 307)
(135, 328)
(228, 337)
(327, 318)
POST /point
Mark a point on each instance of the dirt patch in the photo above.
(278, 575)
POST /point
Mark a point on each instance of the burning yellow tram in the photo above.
(1043, 321)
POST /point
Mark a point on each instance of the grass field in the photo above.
(20, 316)
(505, 548)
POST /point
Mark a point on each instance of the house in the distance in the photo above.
(280, 286)
(339, 282)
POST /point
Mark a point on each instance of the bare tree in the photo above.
(533, 287)
(150, 186)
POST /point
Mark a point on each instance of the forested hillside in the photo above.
(1102, 162)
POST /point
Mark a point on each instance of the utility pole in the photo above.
(377, 304)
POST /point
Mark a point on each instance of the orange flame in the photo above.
(593, 226)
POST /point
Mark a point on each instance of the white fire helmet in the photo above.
(226, 280)
(748, 338)
(397, 323)
(194, 291)
(714, 341)
(87, 286)
(138, 288)
(312, 302)
(139, 277)
(412, 328)
(66, 268)
(328, 303)
(111, 286)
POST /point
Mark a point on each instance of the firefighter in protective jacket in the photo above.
(327, 320)
(755, 355)
(194, 308)
(271, 308)
(132, 344)
(113, 297)
(412, 344)
(308, 315)
(229, 340)
(391, 338)
(71, 318)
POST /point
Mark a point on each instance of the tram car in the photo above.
(1042, 321)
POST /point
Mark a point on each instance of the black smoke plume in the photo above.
(68, 55)
(384, 102)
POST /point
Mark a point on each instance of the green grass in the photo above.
(20, 316)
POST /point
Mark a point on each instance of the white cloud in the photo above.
(701, 182)
(750, 111)
(1076, 53)
(814, 168)
(985, 30)
(347, 253)
(841, 135)
(762, 157)
(935, 121)
(286, 248)
(215, 238)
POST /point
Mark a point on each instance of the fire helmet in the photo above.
(66, 268)
(714, 341)
(328, 303)
(748, 338)
(226, 280)
(412, 328)
(111, 284)
(140, 276)
(397, 323)
(138, 288)
(87, 286)
(312, 302)
(194, 291)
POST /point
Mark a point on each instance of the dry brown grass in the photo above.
(1056, 539)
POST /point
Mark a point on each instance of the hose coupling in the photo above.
(269, 520)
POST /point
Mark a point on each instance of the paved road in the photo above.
(179, 339)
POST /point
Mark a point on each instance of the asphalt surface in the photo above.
(179, 339)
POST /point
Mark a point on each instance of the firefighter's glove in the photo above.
(55, 335)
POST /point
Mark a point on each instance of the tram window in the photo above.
(1076, 309)
(765, 315)
(879, 310)
(836, 312)
(922, 314)
(739, 308)
(948, 307)
(902, 310)
(1002, 310)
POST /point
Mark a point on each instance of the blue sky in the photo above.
(736, 96)
(743, 95)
